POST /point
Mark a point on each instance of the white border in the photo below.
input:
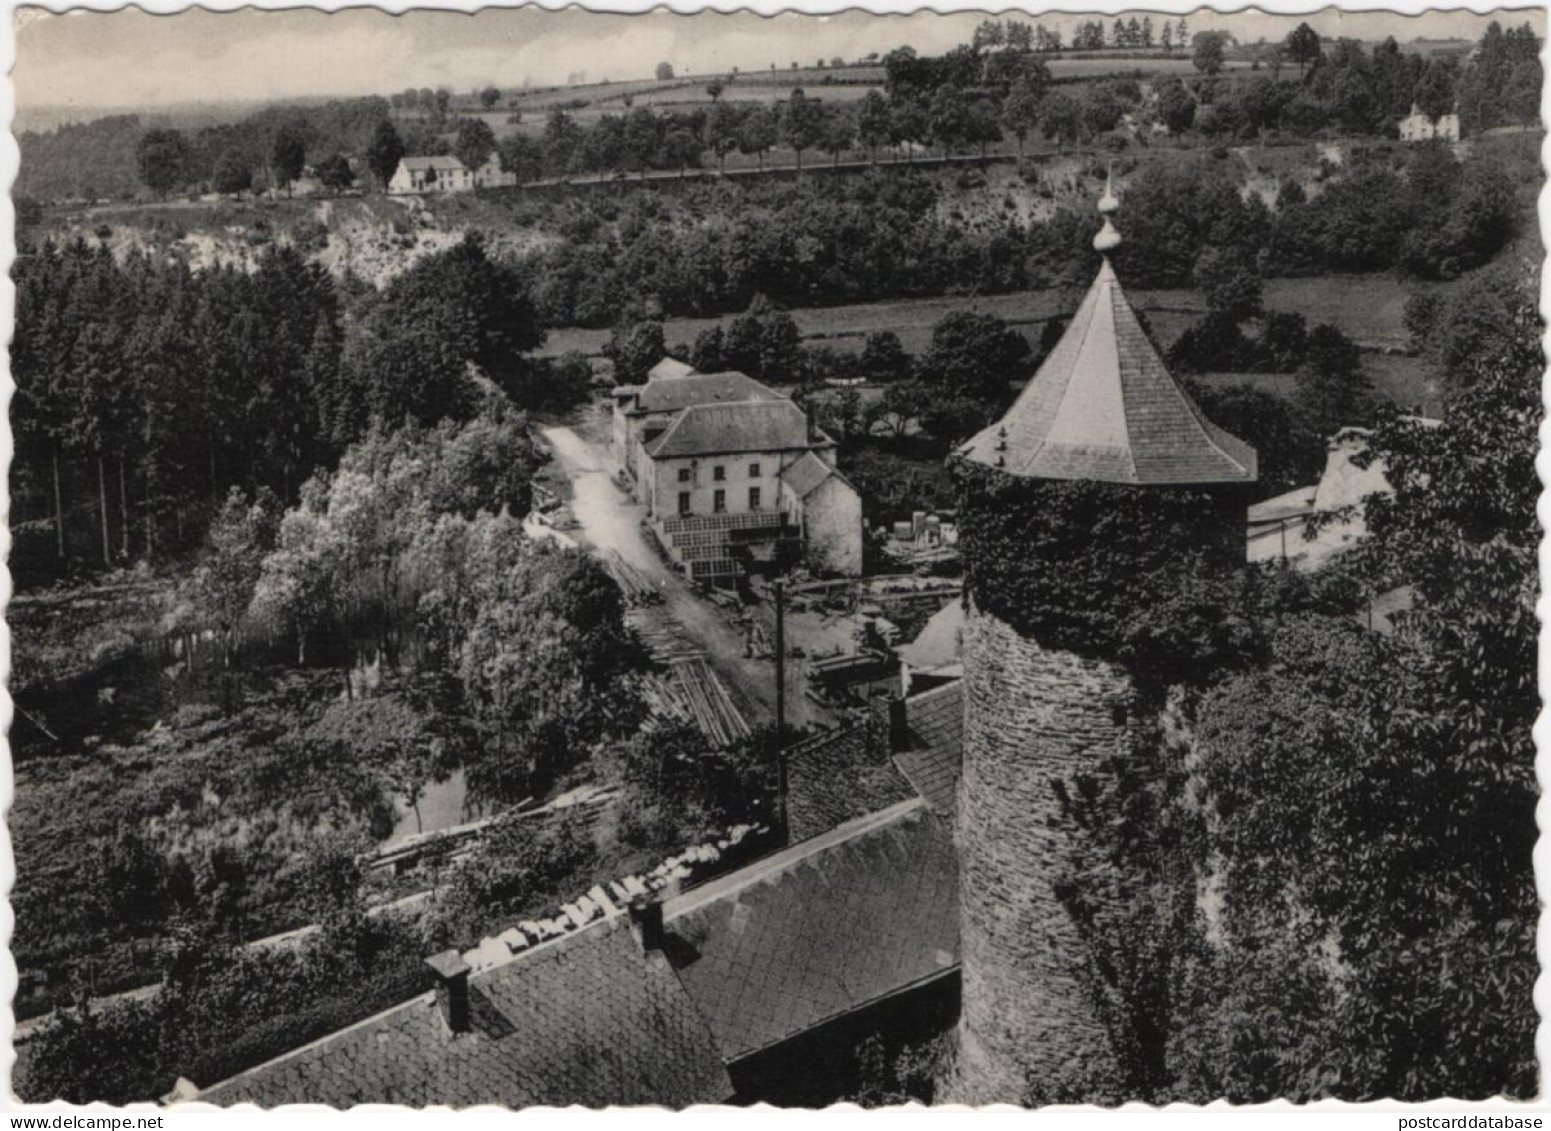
(1335, 1115)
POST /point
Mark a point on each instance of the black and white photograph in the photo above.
(564, 557)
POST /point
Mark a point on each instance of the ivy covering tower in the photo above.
(1100, 517)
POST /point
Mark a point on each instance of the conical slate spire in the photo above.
(1104, 407)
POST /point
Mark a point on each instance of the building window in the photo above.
(685, 474)
(683, 502)
(719, 502)
(753, 498)
(753, 471)
(719, 473)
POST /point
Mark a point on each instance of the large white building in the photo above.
(421, 175)
(730, 472)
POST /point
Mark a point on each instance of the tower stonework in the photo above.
(1105, 441)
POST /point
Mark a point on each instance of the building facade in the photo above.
(1417, 126)
(732, 474)
(419, 176)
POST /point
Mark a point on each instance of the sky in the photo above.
(130, 59)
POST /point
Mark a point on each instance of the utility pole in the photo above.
(780, 674)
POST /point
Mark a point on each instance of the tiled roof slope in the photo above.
(1104, 407)
(815, 932)
(934, 758)
(805, 474)
(940, 641)
(674, 393)
(740, 426)
(838, 776)
(588, 1019)
(434, 163)
(669, 368)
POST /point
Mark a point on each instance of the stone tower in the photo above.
(1103, 423)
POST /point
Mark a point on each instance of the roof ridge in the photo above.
(760, 870)
(1117, 301)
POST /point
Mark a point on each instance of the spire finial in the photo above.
(1108, 238)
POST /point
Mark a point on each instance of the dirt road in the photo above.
(611, 521)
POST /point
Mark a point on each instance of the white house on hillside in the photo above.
(430, 174)
(1417, 126)
(417, 175)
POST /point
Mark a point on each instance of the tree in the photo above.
(384, 152)
(1166, 37)
(664, 72)
(522, 157)
(757, 134)
(1060, 117)
(475, 142)
(161, 155)
(288, 155)
(1207, 55)
(872, 123)
(489, 96)
(335, 172)
(949, 117)
(1303, 47)
(1176, 106)
(1435, 90)
(221, 587)
(634, 347)
(714, 90)
(801, 123)
(984, 125)
(1230, 283)
(232, 174)
(681, 149)
(909, 125)
(837, 133)
(1332, 388)
(1020, 111)
(884, 358)
(974, 355)
(721, 131)
(451, 316)
(642, 139)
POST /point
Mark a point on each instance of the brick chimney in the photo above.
(890, 723)
(452, 989)
(646, 922)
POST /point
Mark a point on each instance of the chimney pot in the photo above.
(452, 989)
(646, 921)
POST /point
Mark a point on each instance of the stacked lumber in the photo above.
(661, 635)
(638, 589)
(691, 692)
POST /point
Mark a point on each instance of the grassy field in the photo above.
(1368, 308)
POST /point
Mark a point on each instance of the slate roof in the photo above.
(425, 163)
(940, 642)
(740, 426)
(668, 369)
(839, 776)
(586, 1019)
(934, 757)
(675, 393)
(1104, 407)
(819, 930)
(805, 474)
